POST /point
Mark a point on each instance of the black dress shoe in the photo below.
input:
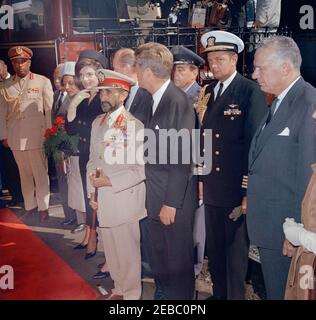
(80, 246)
(90, 254)
(67, 222)
(101, 275)
(79, 228)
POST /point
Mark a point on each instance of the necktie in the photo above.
(60, 101)
(272, 110)
(219, 92)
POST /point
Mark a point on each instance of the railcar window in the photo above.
(28, 16)
(93, 14)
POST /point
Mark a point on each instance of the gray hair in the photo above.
(125, 56)
(285, 48)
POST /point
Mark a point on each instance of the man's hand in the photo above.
(288, 249)
(5, 143)
(244, 205)
(102, 181)
(93, 204)
(167, 215)
(200, 190)
(293, 231)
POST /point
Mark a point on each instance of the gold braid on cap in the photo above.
(15, 101)
(202, 102)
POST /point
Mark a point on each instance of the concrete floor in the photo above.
(62, 241)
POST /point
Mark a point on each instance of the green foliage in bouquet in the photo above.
(58, 143)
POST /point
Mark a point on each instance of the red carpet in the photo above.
(39, 273)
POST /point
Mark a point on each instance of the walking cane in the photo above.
(94, 213)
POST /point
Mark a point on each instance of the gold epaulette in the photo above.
(15, 101)
(202, 102)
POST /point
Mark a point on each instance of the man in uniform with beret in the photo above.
(186, 70)
(25, 113)
(121, 187)
(232, 107)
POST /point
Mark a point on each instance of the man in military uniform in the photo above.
(25, 113)
(186, 70)
(232, 107)
(121, 186)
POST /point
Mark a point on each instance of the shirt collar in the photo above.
(228, 81)
(158, 94)
(113, 116)
(282, 95)
(189, 87)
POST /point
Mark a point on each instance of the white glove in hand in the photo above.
(235, 214)
(293, 231)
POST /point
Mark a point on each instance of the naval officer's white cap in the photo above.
(221, 41)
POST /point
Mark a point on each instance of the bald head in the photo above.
(124, 62)
(3, 70)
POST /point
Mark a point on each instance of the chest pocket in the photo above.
(33, 93)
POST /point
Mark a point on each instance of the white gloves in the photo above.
(298, 236)
(292, 231)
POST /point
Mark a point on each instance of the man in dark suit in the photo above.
(139, 104)
(232, 107)
(280, 156)
(171, 194)
(139, 101)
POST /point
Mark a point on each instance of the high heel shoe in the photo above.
(90, 254)
(80, 246)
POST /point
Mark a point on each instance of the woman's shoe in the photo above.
(90, 254)
(80, 246)
(101, 275)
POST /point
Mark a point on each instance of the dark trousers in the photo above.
(11, 176)
(172, 258)
(69, 213)
(227, 248)
(275, 269)
(83, 160)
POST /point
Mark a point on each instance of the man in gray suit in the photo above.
(280, 156)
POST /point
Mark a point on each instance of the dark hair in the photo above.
(85, 62)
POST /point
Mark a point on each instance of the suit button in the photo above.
(250, 172)
(84, 123)
(217, 135)
(218, 169)
(79, 121)
(217, 153)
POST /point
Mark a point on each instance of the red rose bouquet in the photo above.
(58, 143)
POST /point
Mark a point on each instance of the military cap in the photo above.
(183, 55)
(109, 79)
(20, 52)
(221, 41)
(91, 54)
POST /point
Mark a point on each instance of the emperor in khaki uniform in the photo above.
(121, 197)
(25, 113)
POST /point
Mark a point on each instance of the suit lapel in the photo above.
(161, 106)
(135, 101)
(278, 121)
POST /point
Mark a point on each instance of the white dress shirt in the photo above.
(226, 83)
(158, 94)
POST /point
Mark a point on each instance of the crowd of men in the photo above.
(261, 161)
